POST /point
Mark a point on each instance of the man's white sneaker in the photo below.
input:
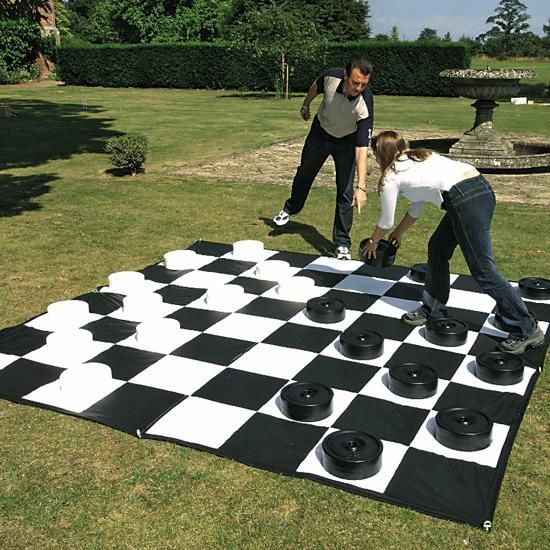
(281, 218)
(342, 253)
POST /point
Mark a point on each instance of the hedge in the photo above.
(400, 68)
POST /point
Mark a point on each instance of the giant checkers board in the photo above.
(216, 386)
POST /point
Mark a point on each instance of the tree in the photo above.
(279, 31)
(428, 34)
(447, 37)
(509, 27)
(394, 34)
(381, 36)
(30, 10)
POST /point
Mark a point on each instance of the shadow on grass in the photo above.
(308, 232)
(258, 95)
(42, 131)
(17, 192)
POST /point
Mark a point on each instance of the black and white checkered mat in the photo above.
(214, 384)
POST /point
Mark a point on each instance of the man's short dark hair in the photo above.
(358, 63)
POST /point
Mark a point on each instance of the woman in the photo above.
(469, 202)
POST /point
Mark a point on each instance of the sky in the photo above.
(459, 17)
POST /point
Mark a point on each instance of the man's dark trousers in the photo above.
(319, 145)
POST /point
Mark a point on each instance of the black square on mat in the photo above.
(109, 329)
(474, 319)
(272, 443)
(133, 407)
(214, 349)
(20, 340)
(24, 376)
(466, 282)
(102, 303)
(126, 362)
(295, 259)
(388, 327)
(180, 295)
(197, 319)
(209, 248)
(445, 363)
(540, 310)
(253, 286)
(436, 485)
(406, 291)
(241, 389)
(322, 278)
(302, 337)
(384, 419)
(484, 343)
(228, 266)
(501, 407)
(356, 301)
(392, 273)
(272, 308)
(337, 373)
(160, 274)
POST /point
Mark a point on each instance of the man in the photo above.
(342, 129)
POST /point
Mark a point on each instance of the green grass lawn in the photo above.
(66, 224)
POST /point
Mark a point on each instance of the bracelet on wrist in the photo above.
(361, 188)
(371, 241)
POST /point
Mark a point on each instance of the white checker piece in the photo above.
(251, 273)
(392, 307)
(392, 455)
(177, 374)
(51, 394)
(162, 345)
(48, 323)
(465, 375)
(390, 347)
(302, 319)
(271, 360)
(6, 359)
(245, 327)
(425, 441)
(417, 337)
(340, 402)
(201, 421)
(368, 285)
(378, 387)
(475, 301)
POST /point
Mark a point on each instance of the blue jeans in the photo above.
(469, 207)
(317, 148)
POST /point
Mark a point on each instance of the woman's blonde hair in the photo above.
(388, 147)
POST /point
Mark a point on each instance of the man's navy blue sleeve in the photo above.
(365, 125)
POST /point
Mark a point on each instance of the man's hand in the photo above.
(359, 199)
(304, 112)
(396, 235)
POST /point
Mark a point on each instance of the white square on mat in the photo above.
(51, 394)
(249, 327)
(417, 337)
(475, 301)
(465, 375)
(425, 441)
(378, 386)
(271, 360)
(340, 402)
(392, 455)
(163, 345)
(390, 347)
(302, 319)
(392, 307)
(203, 279)
(201, 421)
(332, 265)
(6, 359)
(368, 285)
(177, 374)
(69, 357)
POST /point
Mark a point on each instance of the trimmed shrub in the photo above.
(128, 152)
(400, 68)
